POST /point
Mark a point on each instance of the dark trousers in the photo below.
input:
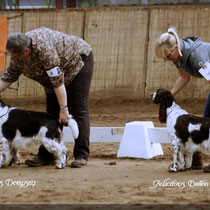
(206, 112)
(78, 106)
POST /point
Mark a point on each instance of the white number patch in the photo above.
(205, 71)
(55, 72)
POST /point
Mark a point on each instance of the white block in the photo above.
(136, 142)
(67, 135)
(159, 135)
(106, 134)
(98, 134)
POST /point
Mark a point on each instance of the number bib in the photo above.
(205, 71)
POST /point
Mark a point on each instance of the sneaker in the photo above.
(78, 163)
(207, 169)
(38, 161)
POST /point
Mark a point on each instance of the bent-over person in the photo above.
(63, 65)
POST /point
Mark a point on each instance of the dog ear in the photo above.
(166, 100)
(169, 99)
(162, 111)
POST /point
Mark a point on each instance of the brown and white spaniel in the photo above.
(188, 133)
(19, 128)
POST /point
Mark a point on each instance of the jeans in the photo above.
(78, 106)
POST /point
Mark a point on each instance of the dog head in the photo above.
(165, 99)
(6, 158)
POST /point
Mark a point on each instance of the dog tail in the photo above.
(74, 127)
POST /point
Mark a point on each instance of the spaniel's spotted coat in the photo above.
(188, 133)
(18, 128)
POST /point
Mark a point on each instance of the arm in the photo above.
(62, 100)
(4, 85)
(182, 81)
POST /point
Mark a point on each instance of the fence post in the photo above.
(146, 50)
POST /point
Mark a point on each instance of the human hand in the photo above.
(64, 116)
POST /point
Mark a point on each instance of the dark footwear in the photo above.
(207, 169)
(38, 161)
(197, 163)
(79, 163)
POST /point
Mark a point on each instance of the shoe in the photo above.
(197, 163)
(78, 163)
(38, 161)
(207, 169)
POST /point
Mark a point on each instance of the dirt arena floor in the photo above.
(107, 179)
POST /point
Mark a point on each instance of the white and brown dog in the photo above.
(188, 133)
(19, 128)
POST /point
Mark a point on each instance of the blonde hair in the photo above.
(168, 39)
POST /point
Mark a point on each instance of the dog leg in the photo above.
(175, 147)
(59, 150)
(65, 151)
(63, 156)
(15, 156)
(17, 159)
(1, 160)
(181, 160)
(1, 154)
(5, 153)
(181, 164)
(188, 160)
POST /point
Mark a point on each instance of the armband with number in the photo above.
(54, 72)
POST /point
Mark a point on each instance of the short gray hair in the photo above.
(18, 43)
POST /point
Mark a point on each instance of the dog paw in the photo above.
(182, 169)
(172, 169)
(60, 166)
(188, 168)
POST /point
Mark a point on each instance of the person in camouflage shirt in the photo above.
(63, 65)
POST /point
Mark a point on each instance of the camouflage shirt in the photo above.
(49, 49)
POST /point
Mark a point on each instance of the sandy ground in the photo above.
(107, 179)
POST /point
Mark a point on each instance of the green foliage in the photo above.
(13, 4)
(87, 3)
(48, 4)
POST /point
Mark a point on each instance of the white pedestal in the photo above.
(136, 142)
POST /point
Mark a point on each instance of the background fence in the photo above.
(122, 39)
